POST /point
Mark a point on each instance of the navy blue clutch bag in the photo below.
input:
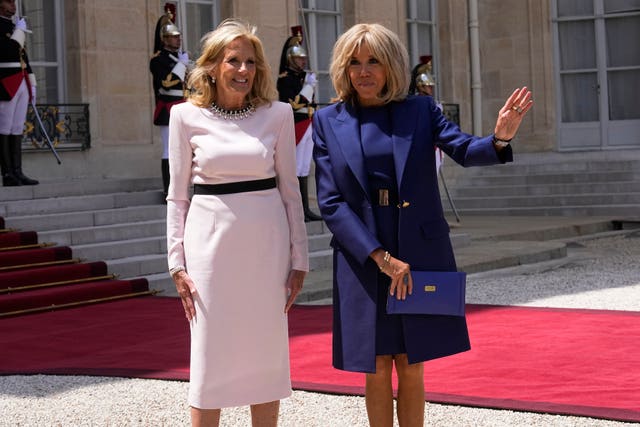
(434, 292)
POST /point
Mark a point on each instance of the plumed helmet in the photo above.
(168, 17)
(422, 74)
(169, 30)
(296, 51)
(292, 48)
(425, 79)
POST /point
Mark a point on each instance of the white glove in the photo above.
(22, 25)
(19, 33)
(33, 93)
(311, 79)
(183, 57)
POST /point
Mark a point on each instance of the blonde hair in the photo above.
(385, 46)
(202, 92)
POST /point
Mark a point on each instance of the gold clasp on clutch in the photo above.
(429, 288)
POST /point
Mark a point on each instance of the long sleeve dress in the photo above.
(237, 248)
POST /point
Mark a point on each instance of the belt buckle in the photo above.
(383, 197)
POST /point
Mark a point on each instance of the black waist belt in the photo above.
(234, 187)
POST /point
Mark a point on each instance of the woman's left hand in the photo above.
(294, 285)
(511, 114)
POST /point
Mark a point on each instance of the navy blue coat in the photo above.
(423, 232)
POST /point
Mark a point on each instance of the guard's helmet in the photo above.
(422, 74)
(425, 79)
(292, 49)
(169, 30)
(296, 51)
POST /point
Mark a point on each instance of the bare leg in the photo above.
(205, 417)
(379, 393)
(410, 392)
(265, 414)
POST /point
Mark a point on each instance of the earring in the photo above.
(213, 79)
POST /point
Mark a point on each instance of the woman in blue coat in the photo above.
(378, 194)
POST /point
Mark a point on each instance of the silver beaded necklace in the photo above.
(240, 114)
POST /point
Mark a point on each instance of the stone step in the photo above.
(104, 233)
(511, 202)
(544, 163)
(79, 187)
(319, 242)
(79, 203)
(86, 218)
(545, 189)
(618, 210)
(490, 178)
(121, 248)
(139, 265)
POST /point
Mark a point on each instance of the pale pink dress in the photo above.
(237, 248)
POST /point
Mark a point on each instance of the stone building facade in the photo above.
(482, 50)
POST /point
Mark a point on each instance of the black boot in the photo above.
(304, 192)
(16, 156)
(6, 163)
(165, 177)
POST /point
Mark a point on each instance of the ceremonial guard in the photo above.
(422, 80)
(17, 91)
(169, 68)
(297, 87)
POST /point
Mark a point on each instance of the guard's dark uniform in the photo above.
(297, 89)
(169, 72)
(16, 88)
(14, 62)
(168, 84)
(290, 83)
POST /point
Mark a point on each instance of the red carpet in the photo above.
(580, 362)
(18, 238)
(40, 277)
(21, 257)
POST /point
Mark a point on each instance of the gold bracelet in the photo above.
(176, 270)
(385, 259)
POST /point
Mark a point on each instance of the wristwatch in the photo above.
(500, 143)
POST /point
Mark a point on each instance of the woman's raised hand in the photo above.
(511, 114)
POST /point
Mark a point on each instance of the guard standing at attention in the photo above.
(297, 87)
(169, 68)
(17, 91)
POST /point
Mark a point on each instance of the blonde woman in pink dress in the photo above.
(237, 248)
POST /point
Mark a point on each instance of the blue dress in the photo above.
(375, 132)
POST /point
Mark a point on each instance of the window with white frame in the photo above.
(422, 33)
(322, 25)
(45, 47)
(195, 18)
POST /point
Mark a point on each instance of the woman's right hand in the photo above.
(399, 272)
(186, 288)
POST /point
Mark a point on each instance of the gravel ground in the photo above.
(598, 274)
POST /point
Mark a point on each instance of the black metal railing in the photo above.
(67, 126)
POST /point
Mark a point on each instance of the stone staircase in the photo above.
(121, 222)
(558, 184)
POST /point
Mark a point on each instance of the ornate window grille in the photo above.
(67, 126)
